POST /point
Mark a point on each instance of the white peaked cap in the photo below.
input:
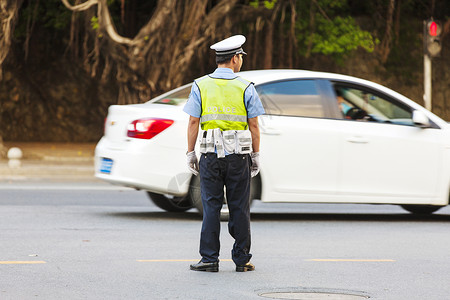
(230, 46)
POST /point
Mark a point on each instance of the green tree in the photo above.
(330, 30)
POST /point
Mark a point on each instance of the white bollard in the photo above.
(14, 156)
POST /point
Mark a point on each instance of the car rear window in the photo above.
(292, 98)
(178, 97)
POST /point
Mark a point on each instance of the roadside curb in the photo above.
(50, 161)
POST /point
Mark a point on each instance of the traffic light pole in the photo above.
(432, 31)
(427, 81)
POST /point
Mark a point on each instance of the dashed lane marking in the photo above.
(173, 260)
(194, 260)
(314, 259)
(68, 186)
(349, 260)
(22, 262)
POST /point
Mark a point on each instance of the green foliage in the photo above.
(332, 32)
(94, 23)
(55, 18)
(267, 4)
(340, 36)
(333, 4)
(49, 14)
(406, 57)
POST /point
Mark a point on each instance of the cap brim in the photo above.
(231, 52)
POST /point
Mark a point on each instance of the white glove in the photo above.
(192, 162)
(255, 164)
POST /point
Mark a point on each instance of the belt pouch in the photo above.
(229, 141)
(202, 141)
(243, 142)
(218, 141)
(210, 141)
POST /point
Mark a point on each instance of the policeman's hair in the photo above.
(222, 59)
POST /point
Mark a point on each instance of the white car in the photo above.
(325, 138)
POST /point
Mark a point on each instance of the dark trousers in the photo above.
(233, 171)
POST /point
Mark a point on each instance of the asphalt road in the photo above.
(95, 241)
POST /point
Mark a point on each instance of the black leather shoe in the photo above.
(247, 267)
(206, 267)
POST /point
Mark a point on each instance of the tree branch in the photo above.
(385, 46)
(80, 7)
(8, 17)
(104, 18)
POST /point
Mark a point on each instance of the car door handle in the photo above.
(357, 140)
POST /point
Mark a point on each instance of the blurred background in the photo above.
(63, 62)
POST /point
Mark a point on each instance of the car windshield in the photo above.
(175, 98)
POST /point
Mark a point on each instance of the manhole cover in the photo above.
(312, 296)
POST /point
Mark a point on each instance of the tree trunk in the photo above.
(385, 47)
(397, 21)
(292, 38)
(8, 17)
(446, 29)
(312, 26)
(163, 51)
(268, 46)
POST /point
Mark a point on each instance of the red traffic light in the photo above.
(432, 29)
(432, 37)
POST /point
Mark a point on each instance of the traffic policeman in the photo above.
(226, 107)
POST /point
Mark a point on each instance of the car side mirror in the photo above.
(420, 119)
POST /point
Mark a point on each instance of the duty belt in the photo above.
(214, 140)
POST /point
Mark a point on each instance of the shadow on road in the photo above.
(256, 217)
(162, 215)
(288, 217)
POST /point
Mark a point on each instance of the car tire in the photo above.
(421, 209)
(196, 196)
(171, 204)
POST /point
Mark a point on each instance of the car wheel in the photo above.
(421, 209)
(172, 204)
(196, 196)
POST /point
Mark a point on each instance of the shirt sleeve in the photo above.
(253, 103)
(193, 105)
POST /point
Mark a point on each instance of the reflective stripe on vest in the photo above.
(223, 103)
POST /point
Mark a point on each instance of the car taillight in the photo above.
(147, 128)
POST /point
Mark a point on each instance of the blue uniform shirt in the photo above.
(252, 102)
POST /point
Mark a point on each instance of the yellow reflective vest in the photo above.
(223, 103)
